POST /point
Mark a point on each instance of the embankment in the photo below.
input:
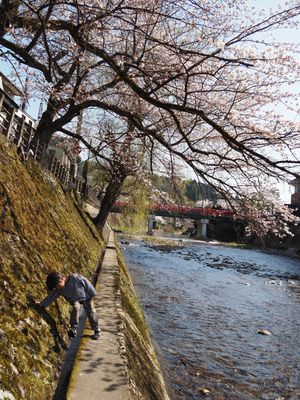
(41, 229)
(145, 377)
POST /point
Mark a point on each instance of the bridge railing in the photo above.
(174, 209)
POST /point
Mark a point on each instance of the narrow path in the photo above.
(99, 371)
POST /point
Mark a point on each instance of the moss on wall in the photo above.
(41, 229)
(145, 376)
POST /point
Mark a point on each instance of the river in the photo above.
(205, 305)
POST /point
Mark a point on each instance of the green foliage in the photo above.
(239, 245)
(134, 216)
(161, 182)
(196, 191)
(97, 175)
(174, 187)
(189, 189)
(41, 230)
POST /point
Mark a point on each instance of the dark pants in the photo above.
(91, 313)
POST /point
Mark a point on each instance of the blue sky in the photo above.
(285, 35)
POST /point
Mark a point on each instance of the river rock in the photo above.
(264, 332)
(271, 282)
(183, 361)
(14, 369)
(270, 396)
(4, 394)
(3, 338)
(202, 390)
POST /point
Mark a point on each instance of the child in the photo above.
(77, 290)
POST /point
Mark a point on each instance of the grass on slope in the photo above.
(41, 229)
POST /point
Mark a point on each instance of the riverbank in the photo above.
(42, 229)
(122, 364)
(145, 376)
(168, 243)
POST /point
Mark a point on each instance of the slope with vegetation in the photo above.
(41, 229)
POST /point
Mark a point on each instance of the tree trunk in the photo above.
(44, 130)
(112, 193)
(47, 126)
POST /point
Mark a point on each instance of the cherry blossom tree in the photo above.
(118, 153)
(202, 81)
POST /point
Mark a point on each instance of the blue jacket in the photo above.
(77, 288)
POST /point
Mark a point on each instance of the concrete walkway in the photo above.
(99, 369)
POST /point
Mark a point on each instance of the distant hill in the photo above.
(190, 189)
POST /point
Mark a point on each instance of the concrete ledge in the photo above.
(100, 370)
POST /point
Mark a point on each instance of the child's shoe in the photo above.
(72, 333)
(96, 335)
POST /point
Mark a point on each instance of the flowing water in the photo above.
(205, 305)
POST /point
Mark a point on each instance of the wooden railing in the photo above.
(19, 129)
(66, 178)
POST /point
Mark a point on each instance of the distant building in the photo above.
(66, 151)
(295, 198)
(8, 89)
(61, 158)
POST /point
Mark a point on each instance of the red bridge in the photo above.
(178, 211)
